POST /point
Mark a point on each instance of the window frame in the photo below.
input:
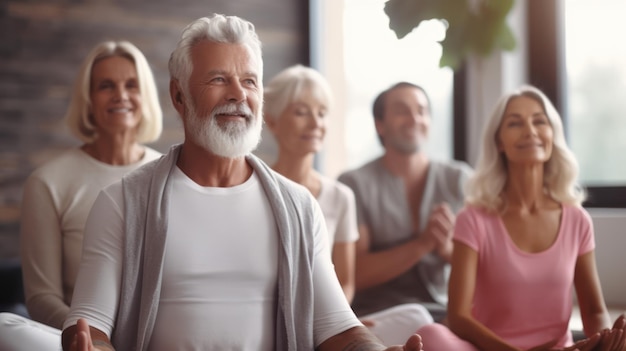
(546, 71)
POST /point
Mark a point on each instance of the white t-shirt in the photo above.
(220, 270)
(339, 208)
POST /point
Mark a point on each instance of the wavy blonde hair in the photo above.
(77, 116)
(485, 187)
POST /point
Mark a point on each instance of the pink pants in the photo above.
(438, 337)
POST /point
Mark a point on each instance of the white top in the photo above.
(339, 208)
(220, 270)
(56, 201)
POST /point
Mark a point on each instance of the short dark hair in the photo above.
(378, 109)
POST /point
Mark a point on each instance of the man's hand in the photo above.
(82, 340)
(414, 343)
(360, 338)
(440, 229)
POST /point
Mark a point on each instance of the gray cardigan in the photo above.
(146, 199)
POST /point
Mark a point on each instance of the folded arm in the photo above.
(374, 268)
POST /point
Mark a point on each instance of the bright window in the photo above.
(375, 59)
(596, 88)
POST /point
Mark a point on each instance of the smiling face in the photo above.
(525, 135)
(223, 112)
(301, 127)
(115, 96)
(406, 120)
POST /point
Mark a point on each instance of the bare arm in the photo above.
(375, 268)
(360, 339)
(593, 311)
(82, 337)
(344, 259)
(460, 295)
(41, 251)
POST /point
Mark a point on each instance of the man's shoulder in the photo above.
(452, 165)
(365, 171)
(451, 168)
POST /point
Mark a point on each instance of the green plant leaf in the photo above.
(478, 31)
(505, 39)
(405, 15)
(455, 47)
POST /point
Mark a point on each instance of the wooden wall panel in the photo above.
(43, 42)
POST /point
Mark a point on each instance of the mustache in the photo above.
(241, 109)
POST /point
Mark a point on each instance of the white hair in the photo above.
(290, 84)
(485, 187)
(217, 28)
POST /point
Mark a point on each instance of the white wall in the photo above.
(327, 51)
(610, 231)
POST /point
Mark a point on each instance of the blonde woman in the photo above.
(114, 111)
(297, 105)
(524, 243)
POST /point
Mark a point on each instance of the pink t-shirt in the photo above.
(525, 298)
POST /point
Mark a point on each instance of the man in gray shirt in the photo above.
(406, 205)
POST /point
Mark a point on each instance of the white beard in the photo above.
(229, 140)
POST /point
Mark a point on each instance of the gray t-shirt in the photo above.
(382, 206)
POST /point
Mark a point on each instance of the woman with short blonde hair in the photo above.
(78, 116)
(296, 109)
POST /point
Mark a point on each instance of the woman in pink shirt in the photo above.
(523, 243)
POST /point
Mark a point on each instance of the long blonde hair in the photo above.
(485, 187)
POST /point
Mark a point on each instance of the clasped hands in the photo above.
(440, 229)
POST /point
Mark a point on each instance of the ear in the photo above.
(176, 94)
(270, 122)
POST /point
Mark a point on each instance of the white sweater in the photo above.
(56, 201)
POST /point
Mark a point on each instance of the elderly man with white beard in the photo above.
(207, 248)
